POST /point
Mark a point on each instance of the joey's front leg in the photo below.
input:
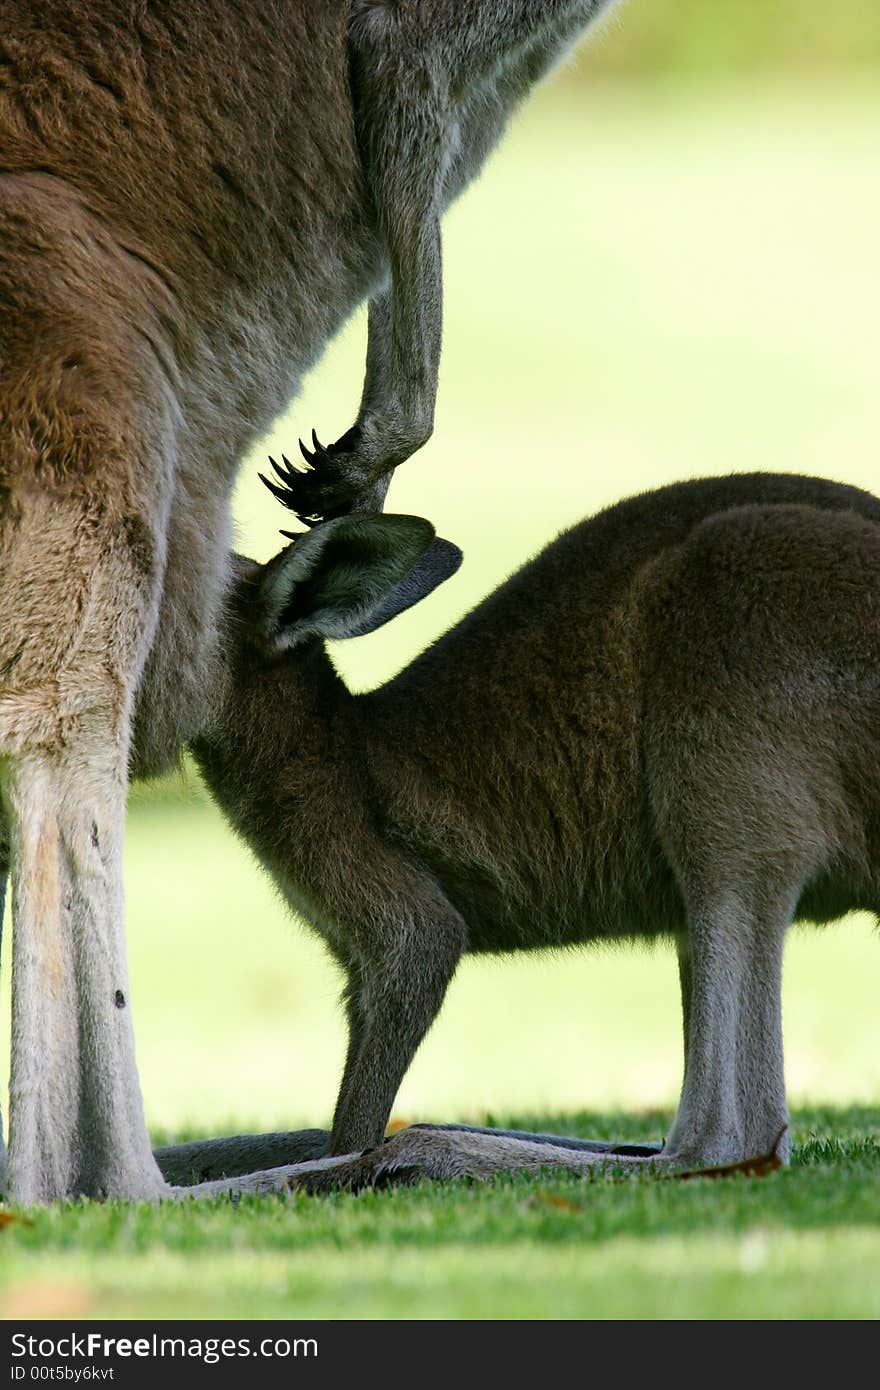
(394, 998)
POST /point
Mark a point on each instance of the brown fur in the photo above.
(668, 723)
(193, 199)
(181, 229)
(159, 310)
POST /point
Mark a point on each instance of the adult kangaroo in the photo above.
(193, 198)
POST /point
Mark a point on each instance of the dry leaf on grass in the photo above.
(758, 1167)
(9, 1218)
(395, 1126)
(550, 1199)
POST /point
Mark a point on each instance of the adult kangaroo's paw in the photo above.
(335, 479)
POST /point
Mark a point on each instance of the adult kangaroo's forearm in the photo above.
(402, 118)
(414, 179)
(405, 322)
(396, 415)
(433, 88)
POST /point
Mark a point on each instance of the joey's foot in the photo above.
(438, 1154)
(402, 1160)
(336, 479)
(434, 1153)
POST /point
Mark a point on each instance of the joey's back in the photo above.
(668, 722)
(510, 762)
(671, 717)
(511, 755)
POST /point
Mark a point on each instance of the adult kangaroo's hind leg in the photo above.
(4, 880)
(79, 574)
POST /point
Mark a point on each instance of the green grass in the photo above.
(802, 1243)
(646, 285)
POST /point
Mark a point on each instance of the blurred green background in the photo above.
(669, 269)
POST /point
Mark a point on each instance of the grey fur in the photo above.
(193, 200)
(4, 879)
(666, 724)
(435, 83)
(207, 1160)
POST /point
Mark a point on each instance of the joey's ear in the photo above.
(434, 566)
(350, 575)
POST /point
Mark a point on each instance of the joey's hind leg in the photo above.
(611, 1147)
(212, 1160)
(733, 1103)
(438, 1154)
(371, 1076)
(422, 1151)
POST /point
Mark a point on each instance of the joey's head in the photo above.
(344, 578)
(275, 686)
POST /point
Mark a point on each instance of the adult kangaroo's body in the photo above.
(668, 723)
(193, 198)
